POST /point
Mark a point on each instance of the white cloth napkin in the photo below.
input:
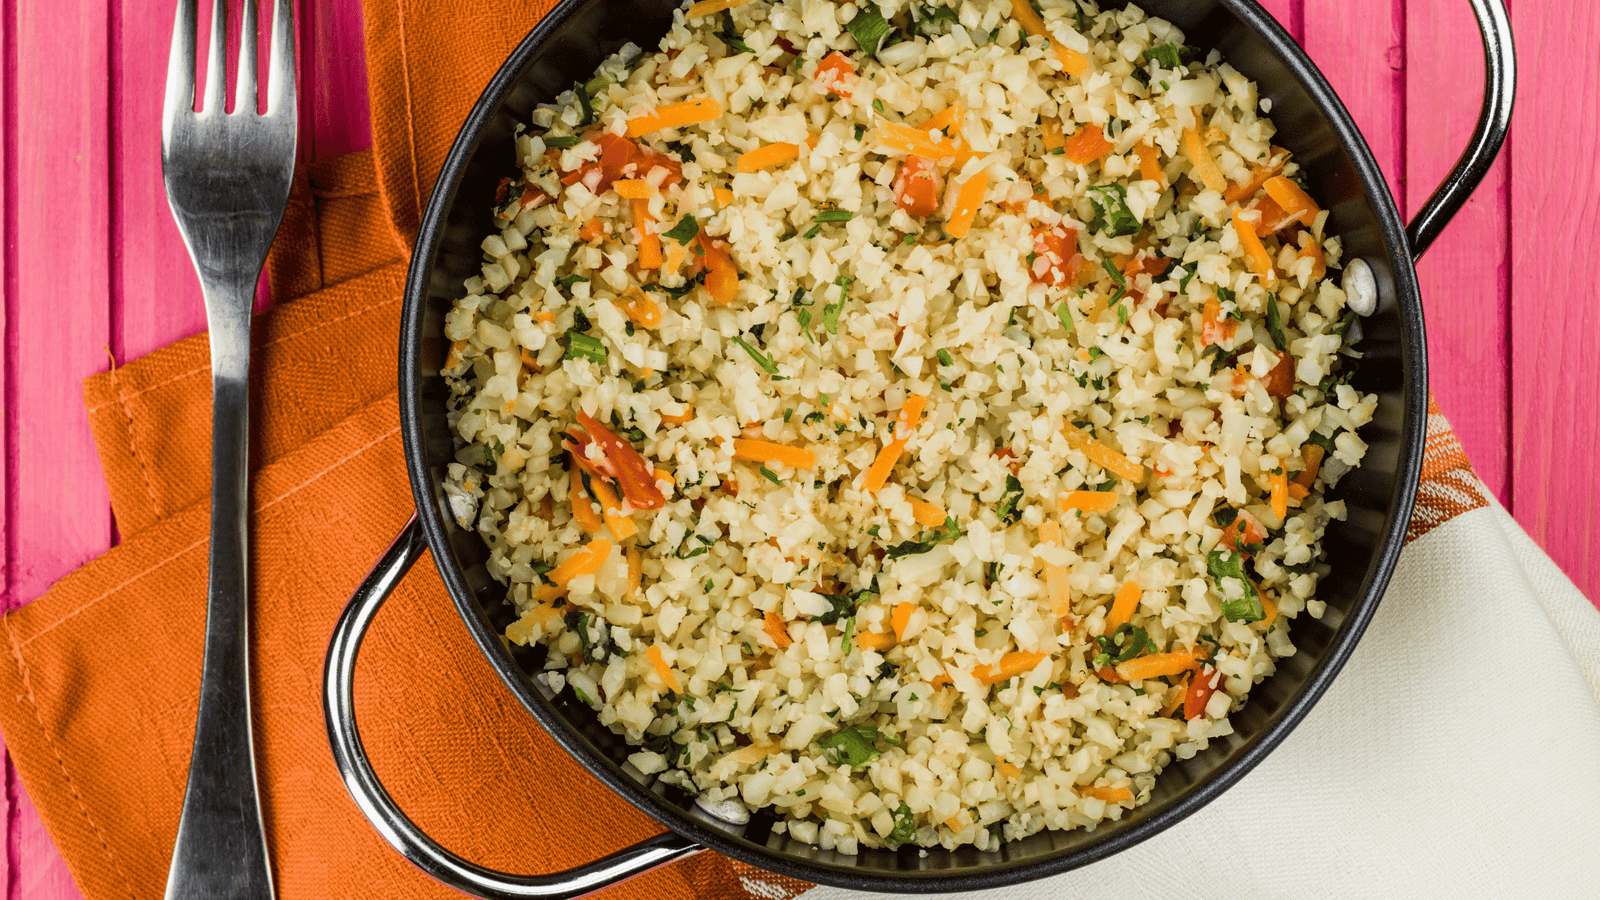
(1457, 755)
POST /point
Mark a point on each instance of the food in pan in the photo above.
(912, 419)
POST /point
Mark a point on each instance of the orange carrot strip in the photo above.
(724, 197)
(942, 120)
(621, 526)
(1268, 607)
(640, 308)
(453, 358)
(592, 230)
(545, 316)
(875, 640)
(584, 562)
(911, 140)
(633, 188)
(1108, 794)
(1057, 587)
(649, 241)
(1072, 62)
(1279, 482)
(1050, 132)
(767, 156)
(1312, 454)
(1009, 770)
(1150, 163)
(635, 571)
(941, 680)
(1010, 666)
(711, 7)
(1204, 167)
(1101, 455)
(662, 669)
(1123, 607)
(1091, 502)
(674, 115)
(1157, 665)
(1088, 145)
(776, 629)
(767, 451)
(677, 418)
(1260, 260)
(529, 361)
(905, 424)
(967, 200)
(901, 617)
(1297, 205)
(926, 513)
(1247, 189)
(582, 507)
(1297, 493)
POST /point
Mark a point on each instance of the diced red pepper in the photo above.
(1243, 531)
(1280, 381)
(722, 277)
(1056, 257)
(620, 157)
(1214, 328)
(917, 187)
(835, 74)
(623, 463)
(1201, 687)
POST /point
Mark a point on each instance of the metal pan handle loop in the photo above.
(338, 704)
(1494, 122)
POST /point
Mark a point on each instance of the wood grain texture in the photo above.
(10, 787)
(1555, 311)
(1465, 276)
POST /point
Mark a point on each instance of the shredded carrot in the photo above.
(649, 241)
(635, 571)
(633, 188)
(592, 230)
(529, 361)
(1123, 607)
(584, 562)
(678, 418)
(1050, 132)
(1088, 145)
(1008, 769)
(1101, 455)
(1297, 493)
(582, 507)
(711, 7)
(1010, 666)
(875, 640)
(918, 142)
(905, 424)
(662, 669)
(1268, 607)
(621, 526)
(1157, 665)
(674, 115)
(453, 358)
(926, 513)
(1247, 189)
(640, 308)
(940, 680)
(542, 616)
(1312, 454)
(724, 197)
(1204, 167)
(1260, 260)
(967, 200)
(955, 823)
(1057, 588)
(1179, 691)
(1108, 794)
(1310, 249)
(545, 316)
(1150, 163)
(1279, 482)
(768, 451)
(1072, 62)
(767, 156)
(1091, 502)
(776, 629)
(1295, 202)
(942, 120)
(901, 618)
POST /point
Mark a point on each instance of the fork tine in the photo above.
(216, 60)
(180, 63)
(244, 96)
(280, 74)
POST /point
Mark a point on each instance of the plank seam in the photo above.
(83, 807)
(133, 447)
(8, 293)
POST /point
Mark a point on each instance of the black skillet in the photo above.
(566, 46)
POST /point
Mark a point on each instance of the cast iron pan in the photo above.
(565, 47)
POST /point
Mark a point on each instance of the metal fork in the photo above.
(227, 177)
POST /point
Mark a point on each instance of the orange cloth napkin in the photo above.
(97, 691)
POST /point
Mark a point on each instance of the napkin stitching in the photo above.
(133, 447)
(49, 739)
(411, 118)
(260, 511)
(274, 342)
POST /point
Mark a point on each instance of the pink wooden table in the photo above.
(93, 268)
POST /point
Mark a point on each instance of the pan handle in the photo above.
(1494, 122)
(338, 704)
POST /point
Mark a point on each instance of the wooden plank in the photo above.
(336, 66)
(1465, 277)
(1290, 14)
(1555, 381)
(1359, 48)
(9, 785)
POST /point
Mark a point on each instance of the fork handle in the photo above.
(221, 848)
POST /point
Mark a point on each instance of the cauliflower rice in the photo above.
(936, 528)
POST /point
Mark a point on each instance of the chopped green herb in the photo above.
(1122, 313)
(846, 633)
(850, 746)
(1111, 213)
(771, 476)
(567, 281)
(684, 231)
(905, 822)
(830, 316)
(909, 239)
(835, 215)
(582, 346)
(761, 359)
(1010, 506)
(582, 93)
(860, 130)
(728, 35)
(812, 232)
(949, 531)
(1241, 604)
(1065, 315)
(560, 140)
(842, 606)
(869, 28)
(1165, 54)
(878, 105)
(945, 359)
(1116, 275)
(1121, 645)
(1275, 324)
